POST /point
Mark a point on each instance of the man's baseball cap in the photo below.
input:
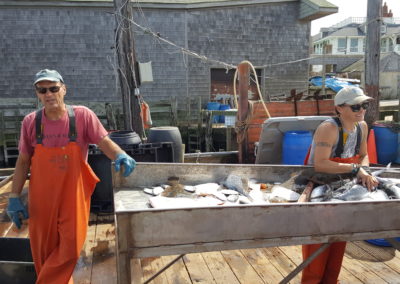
(350, 96)
(48, 75)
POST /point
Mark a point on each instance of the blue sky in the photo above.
(350, 8)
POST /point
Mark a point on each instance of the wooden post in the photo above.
(372, 58)
(244, 79)
(127, 67)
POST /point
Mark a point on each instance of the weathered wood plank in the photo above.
(281, 262)
(177, 273)
(83, 270)
(156, 264)
(104, 261)
(366, 259)
(7, 229)
(241, 267)
(147, 269)
(363, 273)
(197, 268)
(220, 270)
(265, 269)
(136, 270)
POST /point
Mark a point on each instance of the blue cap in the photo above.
(48, 75)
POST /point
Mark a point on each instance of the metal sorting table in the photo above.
(145, 232)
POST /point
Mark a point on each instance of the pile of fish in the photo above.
(241, 190)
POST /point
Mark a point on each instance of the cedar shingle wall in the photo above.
(79, 43)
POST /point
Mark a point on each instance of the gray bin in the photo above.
(269, 149)
(16, 264)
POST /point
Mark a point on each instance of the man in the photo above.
(54, 147)
(339, 146)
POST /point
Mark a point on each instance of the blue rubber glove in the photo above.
(125, 160)
(16, 210)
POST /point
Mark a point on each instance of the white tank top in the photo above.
(349, 148)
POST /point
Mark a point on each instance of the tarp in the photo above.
(336, 84)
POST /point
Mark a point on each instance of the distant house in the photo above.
(77, 38)
(389, 74)
(344, 43)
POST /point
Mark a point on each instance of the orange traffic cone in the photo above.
(371, 148)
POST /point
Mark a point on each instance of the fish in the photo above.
(322, 192)
(208, 186)
(356, 192)
(379, 172)
(173, 191)
(257, 196)
(189, 188)
(390, 188)
(283, 194)
(233, 198)
(210, 189)
(376, 195)
(237, 183)
(154, 191)
(229, 192)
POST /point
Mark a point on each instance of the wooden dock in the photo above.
(363, 263)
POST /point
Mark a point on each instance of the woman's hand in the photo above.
(366, 179)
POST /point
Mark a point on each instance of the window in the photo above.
(341, 45)
(390, 44)
(354, 45)
(383, 45)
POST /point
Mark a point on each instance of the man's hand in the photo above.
(16, 211)
(128, 163)
(366, 179)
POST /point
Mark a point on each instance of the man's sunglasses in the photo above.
(357, 108)
(53, 89)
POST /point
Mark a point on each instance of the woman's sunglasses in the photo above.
(53, 89)
(357, 108)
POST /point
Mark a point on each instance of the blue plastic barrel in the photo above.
(295, 147)
(381, 242)
(214, 106)
(223, 107)
(398, 149)
(386, 144)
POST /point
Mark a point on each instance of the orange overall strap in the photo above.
(59, 203)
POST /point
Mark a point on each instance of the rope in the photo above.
(242, 126)
(257, 84)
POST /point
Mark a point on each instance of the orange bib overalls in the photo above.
(59, 204)
(325, 268)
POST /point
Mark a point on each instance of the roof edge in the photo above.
(145, 4)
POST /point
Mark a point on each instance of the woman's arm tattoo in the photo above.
(322, 144)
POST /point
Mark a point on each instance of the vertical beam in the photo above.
(372, 58)
(127, 67)
(122, 229)
(244, 79)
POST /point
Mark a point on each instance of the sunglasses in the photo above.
(53, 89)
(357, 108)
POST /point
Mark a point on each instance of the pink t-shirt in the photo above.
(55, 132)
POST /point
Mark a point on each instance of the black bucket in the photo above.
(123, 138)
(168, 134)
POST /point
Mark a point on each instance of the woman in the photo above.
(339, 146)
